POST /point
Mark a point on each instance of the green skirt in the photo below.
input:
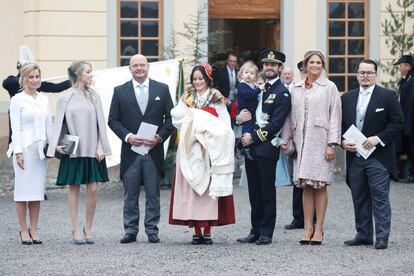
(81, 170)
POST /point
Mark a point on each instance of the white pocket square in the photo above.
(379, 109)
(157, 98)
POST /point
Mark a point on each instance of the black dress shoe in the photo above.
(356, 242)
(128, 238)
(263, 240)
(207, 240)
(251, 238)
(153, 238)
(197, 239)
(381, 244)
(293, 225)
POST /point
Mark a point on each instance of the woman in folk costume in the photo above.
(202, 191)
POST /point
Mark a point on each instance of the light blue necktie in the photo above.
(142, 98)
(361, 108)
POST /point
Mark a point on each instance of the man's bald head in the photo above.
(139, 67)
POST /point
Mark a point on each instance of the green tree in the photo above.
(195, 37)
(399, 38)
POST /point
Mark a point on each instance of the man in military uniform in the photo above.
(275, 106)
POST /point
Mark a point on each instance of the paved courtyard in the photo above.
(174, 255)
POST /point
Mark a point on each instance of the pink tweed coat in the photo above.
(310, 138)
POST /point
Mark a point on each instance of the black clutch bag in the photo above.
(45, 149)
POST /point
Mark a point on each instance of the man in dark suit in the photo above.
(141, 100)
(225, 79)
(275, 106)
(406, 91)
(375, 111)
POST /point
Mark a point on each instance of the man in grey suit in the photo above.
(136, 101)
(376, 112)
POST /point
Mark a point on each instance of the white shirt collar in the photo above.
(272, 81)
(230, 69)
(145, 83)
(369, 89)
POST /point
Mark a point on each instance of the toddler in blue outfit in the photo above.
(247, 93)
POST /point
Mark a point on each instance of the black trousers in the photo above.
(369, 181)
(408, 145)
(262, 195)
(297, 206)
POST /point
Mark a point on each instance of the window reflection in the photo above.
(129, 9)
(356, 10)
(337, 47)
(337, 65)
(336, 10)
(149, 9)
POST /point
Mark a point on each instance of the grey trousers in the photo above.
(369, 181)
(142, 171)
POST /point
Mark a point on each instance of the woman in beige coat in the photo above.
(79, 112)
(311, 132)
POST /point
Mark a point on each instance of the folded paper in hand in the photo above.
(354, 135)
(69, 143)
(145, 131)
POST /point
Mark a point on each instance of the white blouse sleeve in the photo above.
(15, 122)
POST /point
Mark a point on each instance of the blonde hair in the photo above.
(25, 70)
(74, 72)
(248, 65)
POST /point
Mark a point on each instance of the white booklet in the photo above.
(354, 135)
(145, 131)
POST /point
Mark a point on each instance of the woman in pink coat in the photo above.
(311, 133)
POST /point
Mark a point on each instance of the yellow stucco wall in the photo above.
(56, 31)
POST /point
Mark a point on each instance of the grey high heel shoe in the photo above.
(90, 240)
(77, 242)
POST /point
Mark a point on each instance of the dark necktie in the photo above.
(267, 85)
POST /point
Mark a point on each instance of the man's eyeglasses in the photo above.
(366, 73)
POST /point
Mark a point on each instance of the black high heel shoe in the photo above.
(307, 242)
(25, 242)
(312, 242)
(39, 241)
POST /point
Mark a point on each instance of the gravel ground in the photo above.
(174, 255)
